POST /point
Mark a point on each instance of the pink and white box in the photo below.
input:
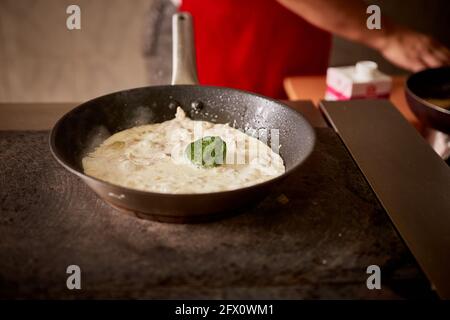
(360, 81)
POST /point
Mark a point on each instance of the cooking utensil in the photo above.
(426, 85)
(74, 134)
(410, 180)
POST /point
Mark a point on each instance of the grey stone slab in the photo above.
(317, 244)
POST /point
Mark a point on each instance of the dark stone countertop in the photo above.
(318, 244)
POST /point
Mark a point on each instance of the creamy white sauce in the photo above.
(152, 158)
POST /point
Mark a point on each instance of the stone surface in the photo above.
(313, 237)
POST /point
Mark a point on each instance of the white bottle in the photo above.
(360, 81)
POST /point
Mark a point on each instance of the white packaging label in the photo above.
(357, 82)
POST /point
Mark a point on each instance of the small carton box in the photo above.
(360, 81)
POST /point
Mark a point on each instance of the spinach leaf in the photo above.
(207, 152)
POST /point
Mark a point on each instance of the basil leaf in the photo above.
(207, 152)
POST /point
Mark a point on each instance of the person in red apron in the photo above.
(254, 44)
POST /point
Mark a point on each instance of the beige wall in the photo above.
(42, 61)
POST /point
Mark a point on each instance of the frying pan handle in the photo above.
(184, 67)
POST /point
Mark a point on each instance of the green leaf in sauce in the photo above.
(207, 151)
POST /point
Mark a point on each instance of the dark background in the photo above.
(124, 44)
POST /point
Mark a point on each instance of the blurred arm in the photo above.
(404, 47)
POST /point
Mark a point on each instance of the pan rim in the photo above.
(82, 175)
(422, 100)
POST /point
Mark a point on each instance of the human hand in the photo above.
(414, 51)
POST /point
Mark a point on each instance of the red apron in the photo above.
(254, 44)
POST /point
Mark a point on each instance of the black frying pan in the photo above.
(422, 89)
(74, 134)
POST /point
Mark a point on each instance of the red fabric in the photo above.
(254, 44)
